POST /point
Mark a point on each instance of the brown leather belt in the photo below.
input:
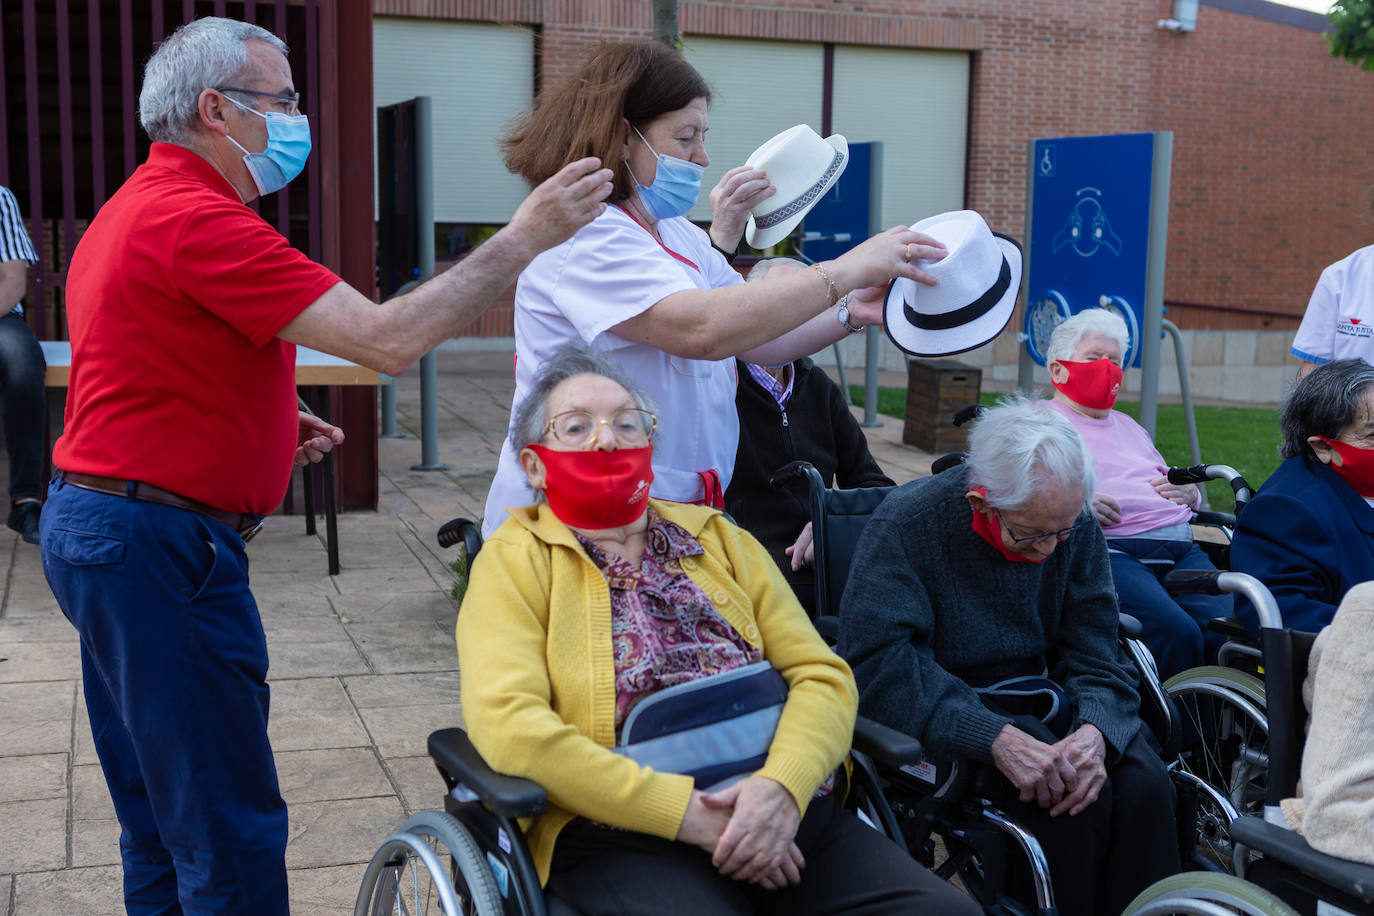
(246, 525)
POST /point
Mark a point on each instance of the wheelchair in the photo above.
(471, 858)
(1283, 875)
(948, 824)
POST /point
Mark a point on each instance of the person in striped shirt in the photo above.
(21, 374)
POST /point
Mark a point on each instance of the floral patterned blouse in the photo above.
(664, 630)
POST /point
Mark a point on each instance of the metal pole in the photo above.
(1025, 365)
(389, 430)
(839, 370)
(1152, 327)
(1184, 390)
(424, 217)
(871, 336)
(871, 378)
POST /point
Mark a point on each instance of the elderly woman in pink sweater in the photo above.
(1144, 517)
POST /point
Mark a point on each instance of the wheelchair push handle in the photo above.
(1219, 582)
(1201, 473)
(461, 529)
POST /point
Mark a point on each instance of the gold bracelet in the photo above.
(831, 291)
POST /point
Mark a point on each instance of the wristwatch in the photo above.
(843, 316)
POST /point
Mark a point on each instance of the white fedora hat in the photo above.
(977, 283)
(802, 166)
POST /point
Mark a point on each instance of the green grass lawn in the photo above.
(1246, 438)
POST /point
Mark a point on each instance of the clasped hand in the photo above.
(749, 829)
(1065, 776)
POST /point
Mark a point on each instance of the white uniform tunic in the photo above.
(1339, 321)
(611, 271)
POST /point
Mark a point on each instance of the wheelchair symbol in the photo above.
(1046, 165)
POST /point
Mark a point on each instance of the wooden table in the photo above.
(312, 368)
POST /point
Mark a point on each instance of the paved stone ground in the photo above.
(363, 668)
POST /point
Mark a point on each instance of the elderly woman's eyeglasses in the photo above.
(1059, 535)
(632, 427)
(291, 102)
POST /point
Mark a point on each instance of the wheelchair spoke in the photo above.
(1225, 747)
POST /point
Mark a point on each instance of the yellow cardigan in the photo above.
(538, 676)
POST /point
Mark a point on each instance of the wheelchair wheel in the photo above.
(1225, 747)
(1206, 894)
(431, 866)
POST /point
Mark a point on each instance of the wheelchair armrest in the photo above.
(509, 796)
(1289, 848)
(887, 746)
(1130, 627)
(1231, 628)
(1212, 517)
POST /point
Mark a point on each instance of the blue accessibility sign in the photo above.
(1090, 233)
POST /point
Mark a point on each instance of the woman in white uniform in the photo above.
(645, 286)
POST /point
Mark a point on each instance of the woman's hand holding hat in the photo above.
(739, 190)
(889, 254)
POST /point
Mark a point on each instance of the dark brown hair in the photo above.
(633, 81)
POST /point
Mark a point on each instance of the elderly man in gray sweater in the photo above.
(997, 570)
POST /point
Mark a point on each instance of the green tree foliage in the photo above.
(1352, 32)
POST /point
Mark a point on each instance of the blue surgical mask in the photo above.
(288, 146)
(676, 187)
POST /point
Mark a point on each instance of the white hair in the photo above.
(532, 414)
(1066, 337)
(761, 268)
(1019, 446)
(200, 55)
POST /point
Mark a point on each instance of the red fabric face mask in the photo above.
(988, 527)
(1356, 468)
(1093, 383)
(597, 489)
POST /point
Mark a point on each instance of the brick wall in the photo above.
(1271, 177)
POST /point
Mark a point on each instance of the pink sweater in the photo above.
(1127, 461)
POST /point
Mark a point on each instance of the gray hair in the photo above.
(1017, 447)
(1067, 336)
(200, 55)
(761, 268)
(1322, 403)
(532, 414)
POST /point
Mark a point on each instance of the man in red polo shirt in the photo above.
(184, 308)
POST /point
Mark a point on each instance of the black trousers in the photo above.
(850, 868)
(1103, 856)
(21, 398)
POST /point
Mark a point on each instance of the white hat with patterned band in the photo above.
(802, 166)
(976, 287)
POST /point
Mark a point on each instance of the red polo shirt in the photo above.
(175, 296)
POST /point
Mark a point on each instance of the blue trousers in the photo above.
(1175, 625)
(21, 396)
(174, 663)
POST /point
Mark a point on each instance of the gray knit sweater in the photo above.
(929, 601)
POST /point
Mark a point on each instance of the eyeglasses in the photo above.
(294, 98)
(1059, 535)
(632, 427)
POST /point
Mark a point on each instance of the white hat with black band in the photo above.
(976, 287)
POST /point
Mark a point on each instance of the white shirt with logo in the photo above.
(1339, 321)
(609, 272)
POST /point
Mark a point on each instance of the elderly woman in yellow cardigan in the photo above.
(598, 600)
